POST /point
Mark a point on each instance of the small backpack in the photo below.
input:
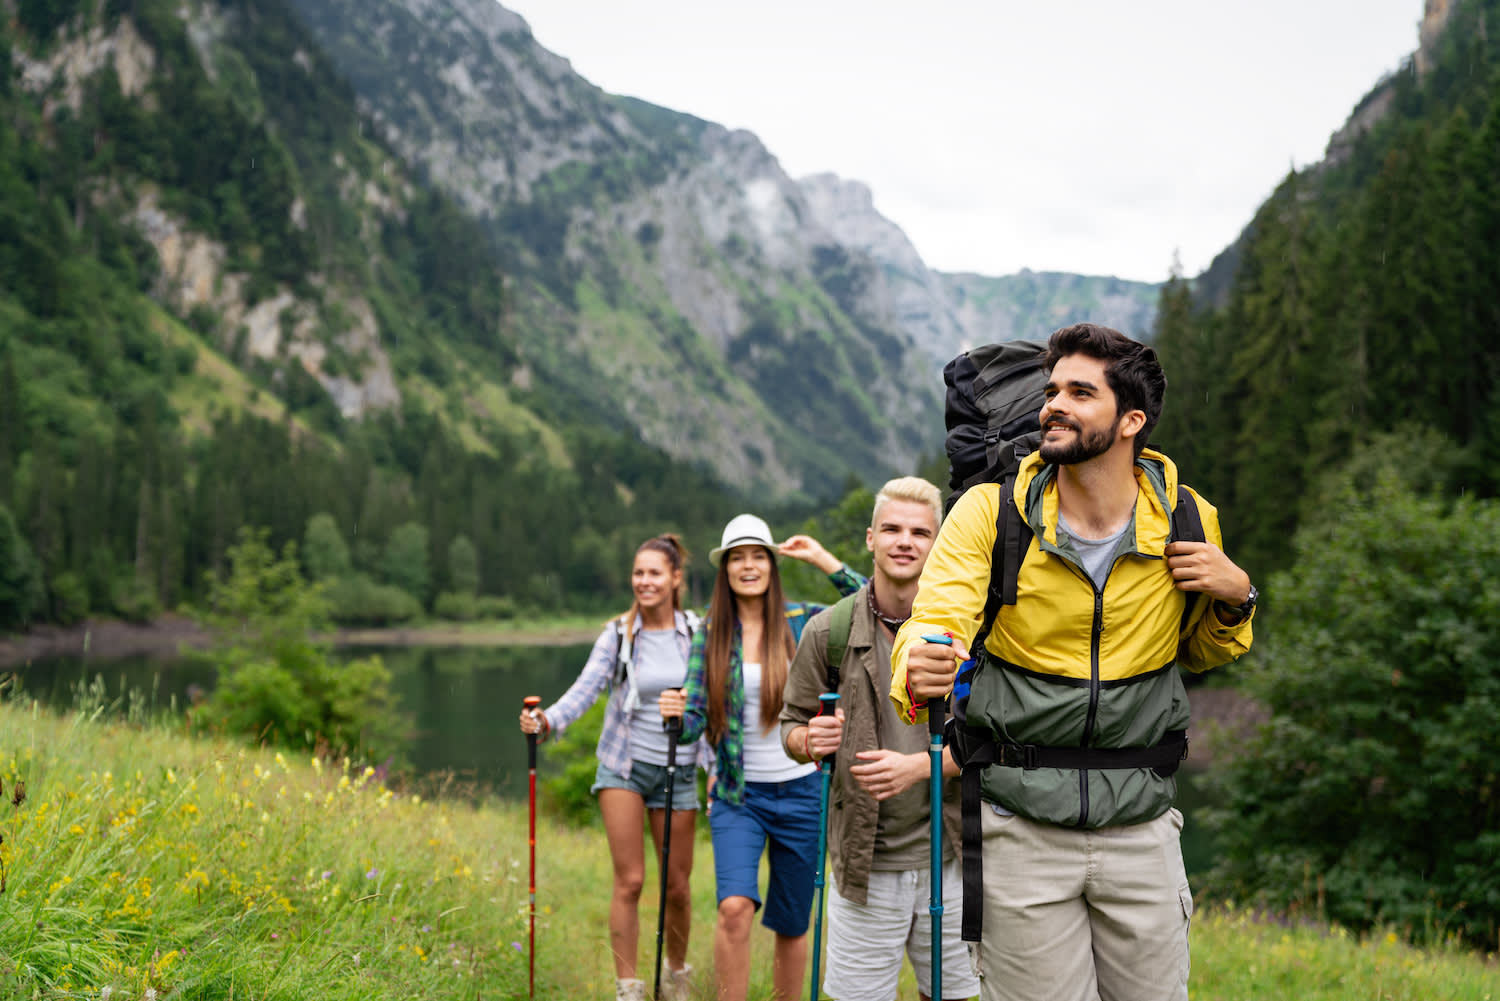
(840, 621)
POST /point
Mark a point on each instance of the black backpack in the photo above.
(992, 411)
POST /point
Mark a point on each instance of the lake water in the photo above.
(462, 703)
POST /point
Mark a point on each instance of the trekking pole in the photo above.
(532, 702)
(829, 700)
(936, 710)
(673, 726)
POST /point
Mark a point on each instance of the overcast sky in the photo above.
(1094, 136)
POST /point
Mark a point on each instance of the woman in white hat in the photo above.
(759, 798)
(636, 657)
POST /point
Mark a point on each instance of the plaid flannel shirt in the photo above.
(599, 674)
(729, 783)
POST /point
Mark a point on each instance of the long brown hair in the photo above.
(776, 638)
(671, 546)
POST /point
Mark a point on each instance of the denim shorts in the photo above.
(781, 817)
(650, 783)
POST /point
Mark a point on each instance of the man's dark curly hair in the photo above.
(1131, 368)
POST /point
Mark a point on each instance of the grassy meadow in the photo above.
(140, 863)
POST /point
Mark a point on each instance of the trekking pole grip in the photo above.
(937, 707)
(531, 703)
(827, 703)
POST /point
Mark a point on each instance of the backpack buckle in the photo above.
(1018, 756)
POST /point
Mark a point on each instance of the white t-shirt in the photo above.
(765, 761)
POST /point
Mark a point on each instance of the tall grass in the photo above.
(143, 863)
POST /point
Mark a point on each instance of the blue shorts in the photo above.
(783, 815)
(650, 783)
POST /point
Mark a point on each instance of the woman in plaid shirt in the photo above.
(759, 798)
(637, 657)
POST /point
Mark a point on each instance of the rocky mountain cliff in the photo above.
(945, 312)
(615, 263)
(669, 269)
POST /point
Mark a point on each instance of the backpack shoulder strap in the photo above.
(1187, 520)
(1012, 537)
(622, 653)
(840, 622)
(1187, 526)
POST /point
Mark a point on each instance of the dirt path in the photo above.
(102, 638)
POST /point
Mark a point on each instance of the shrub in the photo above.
(463, 565)
(134, 600)
(359, 601)
(455, 606)
(70, 598)
(275, 682)
(572, 763)
(404, 562)
(491, 606)
(1373, 794)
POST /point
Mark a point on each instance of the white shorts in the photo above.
(866, 942)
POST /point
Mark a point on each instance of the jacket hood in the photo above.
(1035, 496)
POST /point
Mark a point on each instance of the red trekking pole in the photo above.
(532, 702)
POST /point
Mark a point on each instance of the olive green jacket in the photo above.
(863, 686)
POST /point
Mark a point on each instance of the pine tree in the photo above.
(1275, 365)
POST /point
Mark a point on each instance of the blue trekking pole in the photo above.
(935, 714)
(829, 700)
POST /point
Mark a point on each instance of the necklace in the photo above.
(891, 622)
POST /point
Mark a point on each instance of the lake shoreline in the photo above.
(173, 634)
(1222, 716)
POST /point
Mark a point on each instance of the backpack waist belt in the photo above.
(1164, 756)
(976, 747)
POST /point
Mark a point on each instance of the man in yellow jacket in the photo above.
(1077, 685)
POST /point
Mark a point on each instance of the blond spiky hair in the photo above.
(910, 488)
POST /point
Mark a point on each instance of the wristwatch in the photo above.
(1243, 609)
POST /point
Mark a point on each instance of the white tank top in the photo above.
(765, 761)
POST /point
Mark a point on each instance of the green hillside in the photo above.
(1364, 301)
(138, 433)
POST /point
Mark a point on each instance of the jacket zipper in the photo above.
(1093, 713)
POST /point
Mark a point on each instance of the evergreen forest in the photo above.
(126, 471)
(1366, 300)
(1339, 401)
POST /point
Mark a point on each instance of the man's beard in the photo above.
(1084, 446)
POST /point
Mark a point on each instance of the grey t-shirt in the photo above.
(1097, 554)
(658, 665)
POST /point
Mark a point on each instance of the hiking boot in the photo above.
(630, 989)
(677, 985)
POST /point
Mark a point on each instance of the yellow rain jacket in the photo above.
(1072, 665)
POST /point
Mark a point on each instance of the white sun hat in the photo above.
(743, 530)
